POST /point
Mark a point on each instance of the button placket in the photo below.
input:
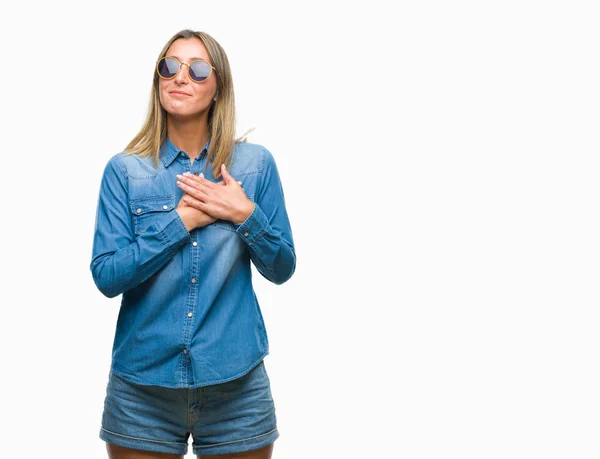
(193, 294)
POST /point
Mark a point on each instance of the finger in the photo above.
(193, 192)
(203, 180)
(226, 175)
(195, 180)
(195, 203)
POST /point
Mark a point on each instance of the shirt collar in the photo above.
(169, 151)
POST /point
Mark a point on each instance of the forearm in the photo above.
(118, 271)
(271, 250)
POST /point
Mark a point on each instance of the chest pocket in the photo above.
(226, 224)
(149, 210)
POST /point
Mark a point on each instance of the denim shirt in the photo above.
(189, 316)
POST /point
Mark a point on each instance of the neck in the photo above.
(189, 135)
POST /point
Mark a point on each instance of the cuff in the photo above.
(174, 233)
(254, 226)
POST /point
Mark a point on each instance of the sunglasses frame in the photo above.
(188, 66)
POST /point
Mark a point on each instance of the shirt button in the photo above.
(185, 351)
(139, 211)
(194, 243)
(193, 280)
(190, 314)
(246, 234)
(165, 207)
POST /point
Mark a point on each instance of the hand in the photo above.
(192, 217)
(225, 200)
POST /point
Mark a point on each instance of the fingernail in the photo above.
(201, 175)
(187, 173)
(179, 176)
(178, 183)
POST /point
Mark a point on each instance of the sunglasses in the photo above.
(168, 68)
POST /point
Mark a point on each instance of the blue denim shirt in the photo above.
(189, 316)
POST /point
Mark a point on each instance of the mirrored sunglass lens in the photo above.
(199, 71)
(168, 67)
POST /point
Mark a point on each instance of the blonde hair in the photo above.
(221, 115)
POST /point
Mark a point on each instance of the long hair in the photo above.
(221, 114)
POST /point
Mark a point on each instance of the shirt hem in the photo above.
(128, 377)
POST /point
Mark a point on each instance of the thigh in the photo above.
(236, 417)
(261, 453)
(148, 419)
(120, 452)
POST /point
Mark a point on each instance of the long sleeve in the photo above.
(267, 229)
(121, 259)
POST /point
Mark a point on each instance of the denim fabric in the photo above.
(189, 316)
(226, 418)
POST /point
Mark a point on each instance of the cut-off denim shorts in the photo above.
(225, 418)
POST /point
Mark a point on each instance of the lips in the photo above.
(179, 93)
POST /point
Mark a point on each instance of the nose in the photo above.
(181, 76)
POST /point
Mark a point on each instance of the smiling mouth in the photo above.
(177, 93)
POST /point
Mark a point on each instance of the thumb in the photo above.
(226, 176)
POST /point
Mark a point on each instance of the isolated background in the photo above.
(440, 167)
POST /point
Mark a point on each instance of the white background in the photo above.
(440, 166)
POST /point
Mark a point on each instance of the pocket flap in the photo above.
(152, 204)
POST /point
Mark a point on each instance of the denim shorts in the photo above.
(225, 418)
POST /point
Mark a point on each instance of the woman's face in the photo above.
(180, 96)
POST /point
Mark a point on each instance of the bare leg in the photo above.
(262, 453)
(120, 452)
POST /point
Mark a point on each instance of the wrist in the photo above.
(185, 219)
(244, 214)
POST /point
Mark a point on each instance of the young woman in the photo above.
(182, 213)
